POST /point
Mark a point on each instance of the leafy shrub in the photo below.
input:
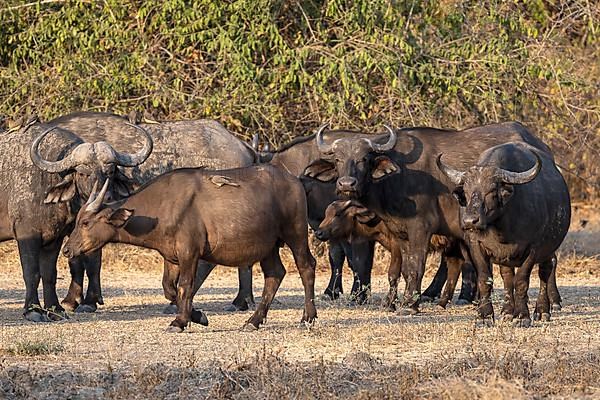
(281, 68)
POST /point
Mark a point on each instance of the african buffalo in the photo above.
(176, 144)
(230, 217)
(396, 176)
(515, 211)
(28, 214)
(294, 157)
(349, 218)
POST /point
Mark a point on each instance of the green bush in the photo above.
(281, 68)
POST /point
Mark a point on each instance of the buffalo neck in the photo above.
(141, 229)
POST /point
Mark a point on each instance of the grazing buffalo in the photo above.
(294, 157)
(230, 217)
(396, 176)
(349, 218)
(515, 211)
(176, 144)
(28, 212)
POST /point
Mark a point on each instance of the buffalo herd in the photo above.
(200, 197)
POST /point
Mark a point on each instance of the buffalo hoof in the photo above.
(86, 308)
(249, 327)
(406, 311)
(556, 307)
(440, 307)
(101, 300)
(506, 317)
(522, 322)
(388, 306)
(332, 294)
(69, 305)
(232, 308)
(174, 329)
(484, 322)
(307, 324)
(199, 317)
(36, 315)
(56, 314)
(462, 302)
(170, 309)
(427, 299)
(544, 317)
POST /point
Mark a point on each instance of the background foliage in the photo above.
(281, 68)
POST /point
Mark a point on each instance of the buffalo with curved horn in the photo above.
(516, 219)
(174, 144)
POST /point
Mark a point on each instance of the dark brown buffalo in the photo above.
(349, 218)
(294, 157)
(396, 176)
(231, 217)
(515, 211)
(176, 144)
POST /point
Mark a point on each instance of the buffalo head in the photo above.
(88, 163)
(342, 218)
(95, 224)
(484, 191)
(354, 161)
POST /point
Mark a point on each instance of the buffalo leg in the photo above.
(542, 305)
(244, 299)
(75, 294)
(522, 278)
(306, 267)
(394, 271)
(468, 287)
(169, 283)
(553, 293)
(508, 278)
(29, 253)
(434, 289)
(274, 272)
(337, 254)
(454, 266)
(362, 260)
(185, 293)
(415, 258)
(48, 257)
(484, 282)
(93, 296)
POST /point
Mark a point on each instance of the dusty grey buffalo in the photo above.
(176, 144)
(396, 176)
(186, 216)
(27, 212)
(515, 210)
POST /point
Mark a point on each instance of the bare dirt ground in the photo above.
(122, 350)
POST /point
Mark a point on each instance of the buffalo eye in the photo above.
(85, 223)
(459, 195)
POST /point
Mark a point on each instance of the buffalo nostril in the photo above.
(471, 220)
(347, 182)
(321, 235)
(66, 252)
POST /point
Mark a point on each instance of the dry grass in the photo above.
(361, 352)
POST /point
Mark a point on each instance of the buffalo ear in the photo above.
(383, 166)
(321, 170)
(506, 192)
(119, 217)
(123, 186)
(64, 191)
(363, 215)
